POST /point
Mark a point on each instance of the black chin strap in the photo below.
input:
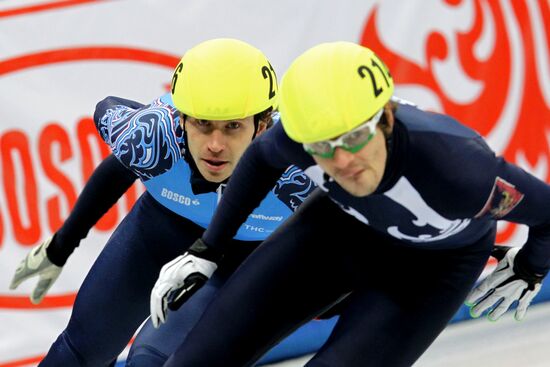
(256, 124)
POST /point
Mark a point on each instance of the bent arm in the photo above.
(525, 199)
(106, 185)
(109, 181)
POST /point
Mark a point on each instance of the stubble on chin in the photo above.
(362, 186)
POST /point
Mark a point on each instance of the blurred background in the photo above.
(485, 62)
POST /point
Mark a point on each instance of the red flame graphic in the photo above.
(520, 31)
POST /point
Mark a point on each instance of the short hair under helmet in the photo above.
(331, 89)
(223, 79)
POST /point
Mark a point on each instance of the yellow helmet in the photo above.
(224, 79)
(331, 89)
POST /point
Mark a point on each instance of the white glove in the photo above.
(36, 263)
(179, 280)
(506, 284)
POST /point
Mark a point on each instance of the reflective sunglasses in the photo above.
(352, 141)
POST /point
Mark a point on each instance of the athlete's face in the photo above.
(217, 146)
(359, 173)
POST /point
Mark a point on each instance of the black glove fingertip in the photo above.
(498, 252)
(191, 285)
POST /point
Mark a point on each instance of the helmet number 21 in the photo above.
(268, 72)
(376, 89)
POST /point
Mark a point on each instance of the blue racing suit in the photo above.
(175, 209)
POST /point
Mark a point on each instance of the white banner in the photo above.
(484, 61)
